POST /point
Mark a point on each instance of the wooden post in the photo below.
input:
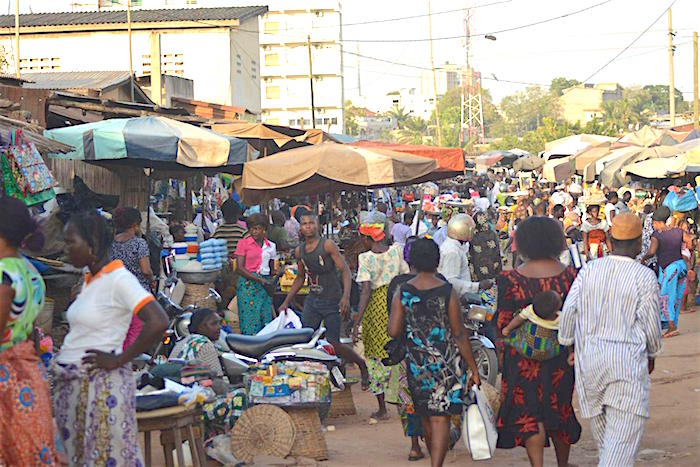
(432, 66)
(17, 73)
(156, 88)
(696, 123)
(671, 86)
(131, 58)
(311, 83)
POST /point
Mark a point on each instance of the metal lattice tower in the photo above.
(472, 114)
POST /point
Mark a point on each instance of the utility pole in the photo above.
(432, 66)
(671, 87)
(131, 59)
(695, 81)
(311, 83)
(359, 81)
(17, 38)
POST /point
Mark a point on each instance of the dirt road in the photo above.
(671, 438)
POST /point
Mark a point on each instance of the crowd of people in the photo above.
(580, 299)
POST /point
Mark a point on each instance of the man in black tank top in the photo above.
(328, 299)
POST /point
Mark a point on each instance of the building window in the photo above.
(39, 64)
(271, 27)
(191, 2)
(170, 64)
(334, 121)
(272, 92)
(272, 59)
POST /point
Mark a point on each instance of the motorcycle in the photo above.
(482, 347)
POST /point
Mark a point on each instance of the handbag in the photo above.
(31, 174)
(396, 352)
(479, 426)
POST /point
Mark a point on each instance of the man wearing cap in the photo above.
(611, 317)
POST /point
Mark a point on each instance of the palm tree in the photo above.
(400, 115)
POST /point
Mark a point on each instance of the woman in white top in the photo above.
(94, 396)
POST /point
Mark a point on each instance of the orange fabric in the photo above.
(596, 237)
(26, 423)
(449, 159)
(143, 303)
(375, 231)
(109, 267)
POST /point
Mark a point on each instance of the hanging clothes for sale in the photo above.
(25, 176)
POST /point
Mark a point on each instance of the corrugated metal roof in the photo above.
(97, 80)
(137, 16)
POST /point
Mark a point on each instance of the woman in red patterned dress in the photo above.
(536, 395)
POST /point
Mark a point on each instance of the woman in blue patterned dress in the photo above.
(425, 313)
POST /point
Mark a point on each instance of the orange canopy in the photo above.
(448, 159)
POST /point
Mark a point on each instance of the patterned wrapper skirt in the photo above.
(26, 427)
(375, 321)
(254, 306)
(96, 415)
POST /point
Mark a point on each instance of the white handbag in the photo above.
(479, 427)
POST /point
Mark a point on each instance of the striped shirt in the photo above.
(232, 233)
(611, 316)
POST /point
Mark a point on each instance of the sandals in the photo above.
(413, 458)
(669, 334)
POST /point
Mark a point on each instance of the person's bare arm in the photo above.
(342, 266)
(397, 326)
(145, 266)
(514, 324)
(298, 282)
(7, 294)
(154, 320)
(365, 293)
(653, 248)
(459, 331)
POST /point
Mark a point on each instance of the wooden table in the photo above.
(172, 422)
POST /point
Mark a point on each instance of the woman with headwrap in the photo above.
(377, 266)
(199, 345)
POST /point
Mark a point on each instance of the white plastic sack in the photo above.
(286, 320)
(479, 427)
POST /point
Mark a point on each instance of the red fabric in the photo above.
(449, 159)
(533, 391)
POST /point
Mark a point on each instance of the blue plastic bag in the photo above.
(684, 203)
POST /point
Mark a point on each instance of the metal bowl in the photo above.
(198, 277)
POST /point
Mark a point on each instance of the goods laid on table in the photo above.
(289, 384)
(290, 273)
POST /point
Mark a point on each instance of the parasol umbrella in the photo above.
(659, 168)
(646, 136)
(614, 174)
(490, 158)
(328, 167)
(528, 163)
(592, 140)
(593, 169)
(589, 155)
(271, 139)
(153, 142)
(558, 170)
(449, 159)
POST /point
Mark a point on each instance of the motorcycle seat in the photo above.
(257, 346)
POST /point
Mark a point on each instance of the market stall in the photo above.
(331, 167)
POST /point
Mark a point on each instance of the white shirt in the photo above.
(269, 253)
(611, 315)
(609, 208)
(99, 317)
(441, 235)
(454, 265)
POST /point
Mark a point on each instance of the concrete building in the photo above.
(373, 125)
(284, 58)
(447, 77)
(217, 48)
(584, 102)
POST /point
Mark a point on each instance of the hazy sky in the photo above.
(574, 47)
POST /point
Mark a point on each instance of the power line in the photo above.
(630, 44)
(536, 23)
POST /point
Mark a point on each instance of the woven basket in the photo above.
(195, 294)
(309, 440)
(262, 430)
(44, 319)
(342, 403)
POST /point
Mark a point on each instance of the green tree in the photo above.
(525, 111)
(559, 84)
(629, 112)
(399, 114)
(658, 93)
(351, 114)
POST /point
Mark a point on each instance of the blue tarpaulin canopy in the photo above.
(153, 142)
